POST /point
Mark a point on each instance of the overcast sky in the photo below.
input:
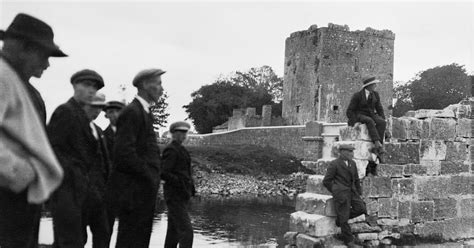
(195, 42)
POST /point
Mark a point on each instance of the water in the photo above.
(246, 221)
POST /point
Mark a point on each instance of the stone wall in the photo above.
(324, 66)
(424, 190)
(248, 117)
(287, 139)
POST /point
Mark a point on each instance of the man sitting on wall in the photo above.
(365, 107)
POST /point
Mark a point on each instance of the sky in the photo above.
(196, 42)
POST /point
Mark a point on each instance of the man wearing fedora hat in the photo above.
(178, 188)
(365, 107)
(136, 173)
(76, 148)
(342, 180)
(27, 45)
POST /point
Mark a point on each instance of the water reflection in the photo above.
(246, 221)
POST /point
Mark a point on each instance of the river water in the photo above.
(244, 221)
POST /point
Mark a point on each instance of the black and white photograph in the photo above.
(236, 123)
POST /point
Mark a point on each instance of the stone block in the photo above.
(290, 237)
(313, 128)
(414, 169)
(422, 211)
(388, 222)
(361, 165)
(367, 236)
(433, 167)
(387, 234)
(386, 242)
(403, 186)
(464, 128)
(431, 113)
(399, 128)
(380, 187)
(461, 184)
(314, 184)
(390, 170)
(362, 227)
(433, 150)
(429, 188)
(442, 129)
(402, 153)
(313, 224)
(312, 147)
(449, 229)
(319, 167)
(466, 207)
(404, 209)
(449, 167)
(417, 129)
(457, 152)
(372, 207)
(360, 218)
(363, 149)
(388, 207)
(312, 203)
(445, 208)
(306, 241)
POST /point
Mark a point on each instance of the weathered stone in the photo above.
(388, 207)
(314, 184)
(313, 128)
(433, 150)
(306, 241)
(386, 241)
(417, 129)
(351, 133)
(290, 237)
(457, 152)
(367, 236)
(399, 128)
(422, 211)
(430, 113)
(387, 234)
(414, 169)
(388, 222)
(404, 209)
(466, 207)
(362, 227)
(464, 128)
(313, 224)
(312, 203)
(433, 167)
(442, 129)
(372, 243)
(363, 150)
(361, 167)
(312, 147)
(319, 167)
(402, 153)
(445, 208)
(390, 170)
(449, 229)
(372, 207)
(449, 167)
(461, 184)
(360, 218)
(460, 110)
(428, 188)
(403, 186)
(380, 187)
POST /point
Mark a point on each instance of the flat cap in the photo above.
(346, 147)
(146, 74)
(114, 105)
(98, 100)
(180, 126)
(87, 74)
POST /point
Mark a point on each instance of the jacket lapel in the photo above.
(83, 121)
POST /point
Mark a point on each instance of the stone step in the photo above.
(312, 203)
(319, 167)
(351, 133)
(314, 184)
(313, 224)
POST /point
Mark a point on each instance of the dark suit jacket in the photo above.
(101, 169)
(340, 177)
(360, 106)
(73, 143)
(177, 172)
(109, 136)
(137, 156)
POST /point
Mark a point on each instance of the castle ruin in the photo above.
(324, 66)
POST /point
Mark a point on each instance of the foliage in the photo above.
(159, 111)
(213, 104)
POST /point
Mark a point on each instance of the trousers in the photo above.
(180, 230)
(376, 126)
(348, 205)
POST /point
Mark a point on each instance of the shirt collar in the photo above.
(367, 93)
(144, 103)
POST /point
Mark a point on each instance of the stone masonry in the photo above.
(324, 66)
(423, 191)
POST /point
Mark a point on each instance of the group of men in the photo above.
(88, 177)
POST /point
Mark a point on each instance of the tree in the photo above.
(438, 87)
(403, 103)
(159, 111)
(212, 104)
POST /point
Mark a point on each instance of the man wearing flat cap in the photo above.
(343, 182)
(112, 111)
(75, 146)
(136, 174)
(366, 107)
(24, 146)
(178, 188)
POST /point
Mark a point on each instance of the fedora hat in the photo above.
(28, 28)
(369, 80)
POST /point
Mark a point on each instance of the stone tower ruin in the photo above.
(324, 67)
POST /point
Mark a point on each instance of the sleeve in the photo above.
(357, 181)
(329, 177)
(351, 112)
(378, 106)
(168, 163)
(126, 156)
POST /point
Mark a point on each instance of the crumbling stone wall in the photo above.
(424, 189)
(324, 66)
(248, 117)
